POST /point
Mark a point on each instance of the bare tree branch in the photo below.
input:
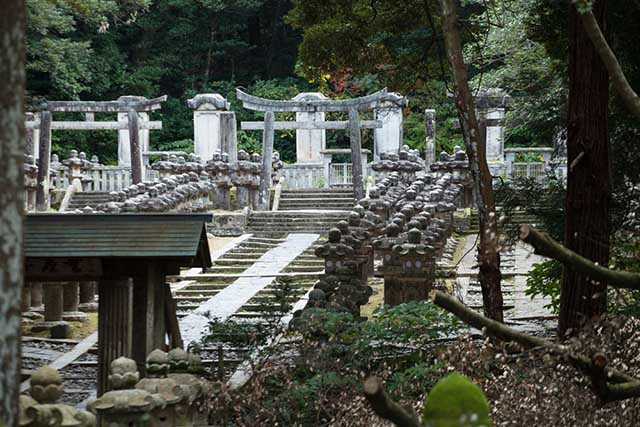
(624, 386)
(386, 407)
(544, 245)
(618, 79)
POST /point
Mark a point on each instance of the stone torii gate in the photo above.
(353, 107)
(39, 132)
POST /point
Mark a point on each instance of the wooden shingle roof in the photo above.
(162, 236)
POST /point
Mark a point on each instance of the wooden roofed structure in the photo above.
(129, 256)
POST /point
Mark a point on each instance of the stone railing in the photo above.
(303, 175)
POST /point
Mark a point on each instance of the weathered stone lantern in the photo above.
(242, 179)
(125, 405)
(30, 182)
(157, 383)
(256, 171)
(44, 410)
(184, 368)
(413, 278)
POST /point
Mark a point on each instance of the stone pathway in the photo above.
(520, 310)
(248, 283)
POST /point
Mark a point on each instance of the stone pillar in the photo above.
(115, 321)
(356, 154)
(495, 134)
(309, 142)
(53, 308)
(71, 299)
(124, 144)
(388, 138)
(208, 130)
(43, 201)
(87, 297)
(430, 139)
(267, 154)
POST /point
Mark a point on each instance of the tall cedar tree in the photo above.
(12, 134)
(475, 142)
(587, 200)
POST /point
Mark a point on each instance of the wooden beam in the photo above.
(63, 269)
(364, 124)
(93, 125)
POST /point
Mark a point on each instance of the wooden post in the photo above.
(173, 327)
(356, 154)
(148, 313)
(267, 153)
(136, 150)
(36, 294)
(42, 194)
(115, 320)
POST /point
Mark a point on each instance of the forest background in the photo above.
(103, 49)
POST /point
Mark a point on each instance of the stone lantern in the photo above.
(74, 163)
(157, 383)
(412, 279)
(30, 182)
(183, 368)
(43, 409)
(242, 179)
(256, 171)
(220, 173)
(125, 405)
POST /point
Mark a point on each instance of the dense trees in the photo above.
(92, 49)
(12, 57)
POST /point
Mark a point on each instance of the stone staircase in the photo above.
(91, 199)
(284, 222)
(317, 198)
(519, 217)
(265, 310)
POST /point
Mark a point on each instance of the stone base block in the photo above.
(61, 331)
(88, 307)
(74, 316)
(46, 326)
(33, 316)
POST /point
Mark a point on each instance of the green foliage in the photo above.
(456, 402)
(544, 280)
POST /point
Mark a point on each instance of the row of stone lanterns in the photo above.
(404, 223)
(173, 394)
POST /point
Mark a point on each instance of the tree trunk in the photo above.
(12, 138)
(489, 249)
(587, 200)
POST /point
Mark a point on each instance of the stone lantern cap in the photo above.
(208, 101)
(334, 248)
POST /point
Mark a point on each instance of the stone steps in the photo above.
(92, 199)
(317, 198)
(282, 222)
